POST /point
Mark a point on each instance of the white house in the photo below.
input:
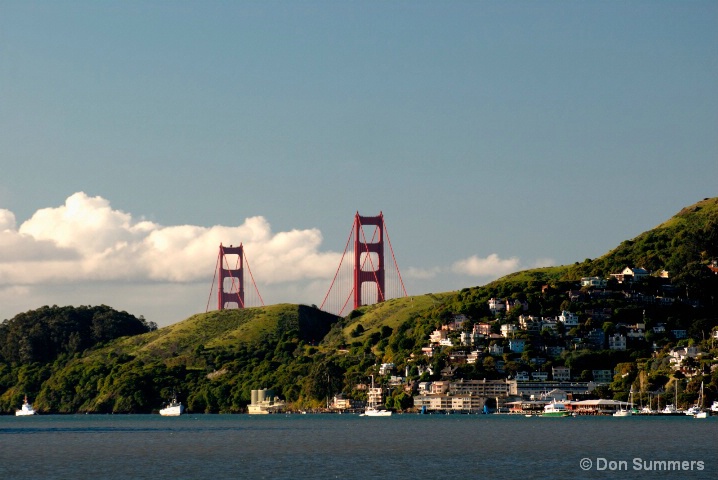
(497, 305)
(593, 282)
(473, 357)
(568, 319)
(438, 336)
(508, 330)
(630, 274)
(386, 368)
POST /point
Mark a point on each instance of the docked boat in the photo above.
(714, 406)
(173, 408)
(372, 409)
(698, 410)
(25, 410)
(375, 412)
(625, 412)
(555, 410)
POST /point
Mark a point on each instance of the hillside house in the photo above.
(386, 368)
(561, 374)
(617, 342)
(569, 319)
(508, 330)
(630, 275)
(482, 329)
(439, 335)
(595, 282)
(517, 345)
(497, 305)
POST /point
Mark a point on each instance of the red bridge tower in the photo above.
(368, 267)
(230, 288)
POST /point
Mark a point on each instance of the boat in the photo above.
(625, 412)
(647, 410)
(375, 412)
(372, 409)
(714, 406)
(173, 408)
(671, 408)
(700, 412)
(555, 410)
(25, 410)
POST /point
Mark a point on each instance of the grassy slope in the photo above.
(391, 313)
(223, 328)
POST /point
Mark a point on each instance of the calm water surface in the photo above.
(353, 447)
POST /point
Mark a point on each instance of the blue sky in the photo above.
(494, 137)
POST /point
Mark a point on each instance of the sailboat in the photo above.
(672, 408)
(647, 410)
(372, 410)
(626, 412)
(701, 413)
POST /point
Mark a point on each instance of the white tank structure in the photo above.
(264, 402)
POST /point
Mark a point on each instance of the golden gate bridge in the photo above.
(363, 277)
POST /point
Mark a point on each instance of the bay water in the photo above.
(325, 446)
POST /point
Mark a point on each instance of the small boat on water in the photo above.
(375, 412)
(698, 411)
(555, 410)
(25, 410)
(173, 408)
(625, 412)
(372, 410)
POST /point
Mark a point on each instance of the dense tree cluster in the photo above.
(42, 335)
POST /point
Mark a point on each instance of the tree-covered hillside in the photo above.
(94, 359)
(43, 334)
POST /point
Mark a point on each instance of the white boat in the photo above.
(372, 410)
(714, 406)
(693, 410)
(173, 408)
(700, 412)
(625, 412)
(25, 410)
(375, 412)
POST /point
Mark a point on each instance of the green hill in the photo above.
(215, 359)
(683, 246)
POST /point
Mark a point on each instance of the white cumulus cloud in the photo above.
(87, 240)
(491, 266)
